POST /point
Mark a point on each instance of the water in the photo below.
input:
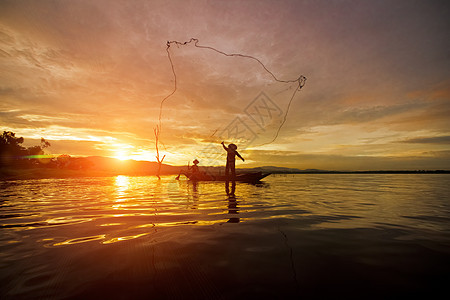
(293, 236)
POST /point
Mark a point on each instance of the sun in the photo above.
(122, 155)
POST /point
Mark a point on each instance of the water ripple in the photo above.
(110, 210)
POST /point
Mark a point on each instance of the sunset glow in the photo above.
(90, 77)
(121, 155)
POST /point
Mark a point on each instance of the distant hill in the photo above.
(282, 170)
(66, 166)
(133, 167)
(128, 166)
(272, 169)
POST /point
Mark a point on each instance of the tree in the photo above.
(11, 147)
(158, 159)
(38, 150)
(10, 144)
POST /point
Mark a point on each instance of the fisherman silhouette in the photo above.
(192, 172)
(231, 160)
(194, 169)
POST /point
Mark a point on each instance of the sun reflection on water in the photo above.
(122, 184)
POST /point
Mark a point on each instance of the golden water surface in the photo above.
(133, 237)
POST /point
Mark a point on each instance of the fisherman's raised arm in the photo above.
(224, 147)
(238, 155)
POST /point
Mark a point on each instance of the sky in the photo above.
(90, 76)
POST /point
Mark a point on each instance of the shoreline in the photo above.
(10, 174)
(43, 173)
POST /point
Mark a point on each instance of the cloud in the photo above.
(377, 72)
(427, 160)
(429, 140)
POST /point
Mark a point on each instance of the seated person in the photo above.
(194, 173)
(194, 169)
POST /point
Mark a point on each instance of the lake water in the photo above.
(290, 237)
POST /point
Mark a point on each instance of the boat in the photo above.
(244, 177)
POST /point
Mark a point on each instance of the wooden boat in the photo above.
(244, 177)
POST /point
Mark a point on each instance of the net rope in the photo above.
(301, 80)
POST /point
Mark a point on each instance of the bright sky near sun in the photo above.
(89, 77)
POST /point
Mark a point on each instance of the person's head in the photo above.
(195, 162)
(232, 146)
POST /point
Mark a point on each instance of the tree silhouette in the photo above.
(38, 150)
(160, 160)
(11, 147)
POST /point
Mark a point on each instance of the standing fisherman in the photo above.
(231, 159)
